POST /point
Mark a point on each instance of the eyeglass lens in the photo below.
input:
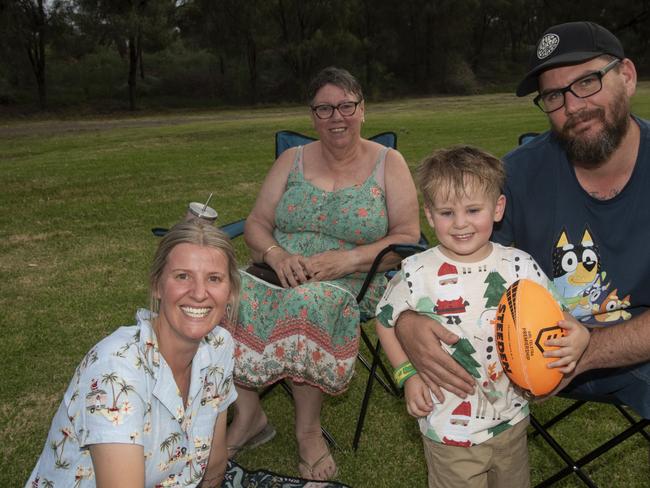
(583, 88)
(325, 111)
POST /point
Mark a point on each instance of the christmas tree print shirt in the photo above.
(464, 297)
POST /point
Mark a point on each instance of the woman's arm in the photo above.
(403, 227)
(258, 231)
(218, 455)
(118, 465)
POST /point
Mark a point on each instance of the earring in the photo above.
(229, 311)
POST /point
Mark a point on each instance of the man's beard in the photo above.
(591, 152)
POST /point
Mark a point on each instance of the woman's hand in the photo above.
(290, 268)
(330, 265)
(118, 465)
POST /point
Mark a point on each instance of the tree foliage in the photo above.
(252, 51)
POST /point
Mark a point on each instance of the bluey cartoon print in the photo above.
(579, 278)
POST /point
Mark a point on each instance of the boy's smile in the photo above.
(463, 223)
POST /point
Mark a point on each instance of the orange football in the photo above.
(526, 317)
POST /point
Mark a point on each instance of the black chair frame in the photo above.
(576, 465)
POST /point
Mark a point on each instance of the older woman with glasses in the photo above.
(324, 211)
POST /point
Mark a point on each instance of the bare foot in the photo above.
(316, 461)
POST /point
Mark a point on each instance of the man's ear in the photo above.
(499, 208)
(628, 72)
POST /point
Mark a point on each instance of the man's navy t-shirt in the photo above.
(597, 252)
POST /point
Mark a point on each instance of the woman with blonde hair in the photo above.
(147, 405)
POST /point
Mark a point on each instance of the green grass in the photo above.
(78, 200)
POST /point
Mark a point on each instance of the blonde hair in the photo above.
(202, 234)
(450, 172)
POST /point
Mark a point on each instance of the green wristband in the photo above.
(403, 372)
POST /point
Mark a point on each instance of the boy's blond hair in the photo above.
(450, 172)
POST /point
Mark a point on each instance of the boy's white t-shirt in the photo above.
(464, 298)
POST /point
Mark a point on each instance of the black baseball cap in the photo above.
(566, 44)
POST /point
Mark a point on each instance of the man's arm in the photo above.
(619, 345)
(420, 338)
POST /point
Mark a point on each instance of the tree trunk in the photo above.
(133, 70)
(40, 76)
(252, 67)
(140, 57)
(35, 45)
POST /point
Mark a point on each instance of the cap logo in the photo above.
(547, 45)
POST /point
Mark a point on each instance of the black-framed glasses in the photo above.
(583, 88)
(325, 110)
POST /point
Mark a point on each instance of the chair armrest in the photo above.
(403, 250)
(233, 229)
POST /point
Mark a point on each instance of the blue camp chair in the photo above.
(542, 429)
(378, 371)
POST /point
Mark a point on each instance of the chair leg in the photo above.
(602, 449)
(567, 411)
(270, 388)
(366, 396)
(388, 383)
(285, 386)
(572, 466)
(633, 421)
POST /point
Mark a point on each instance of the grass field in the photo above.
(78, 200)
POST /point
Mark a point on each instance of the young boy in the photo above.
(479, 440)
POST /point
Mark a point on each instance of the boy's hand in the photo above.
(418, 397)
(570, 347)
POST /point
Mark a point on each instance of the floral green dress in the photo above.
(310, 333)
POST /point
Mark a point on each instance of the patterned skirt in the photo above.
(308, 334)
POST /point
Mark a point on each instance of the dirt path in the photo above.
(15, 128)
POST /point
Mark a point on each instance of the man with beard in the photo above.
(578, 202)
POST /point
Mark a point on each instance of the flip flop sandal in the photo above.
(309, 468)
(263, 436)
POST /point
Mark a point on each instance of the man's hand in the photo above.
(420, 338)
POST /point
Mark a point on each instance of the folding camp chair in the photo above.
(542, 429)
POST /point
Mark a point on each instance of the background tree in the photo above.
(28, 25)
(127, 24)
(265, 51)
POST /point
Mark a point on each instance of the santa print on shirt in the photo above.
(450, 303)
(457, 432)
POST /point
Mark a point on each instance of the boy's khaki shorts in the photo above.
(500, 462)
